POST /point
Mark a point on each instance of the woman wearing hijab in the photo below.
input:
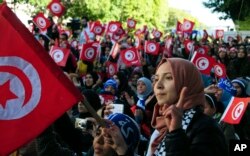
(181, 128)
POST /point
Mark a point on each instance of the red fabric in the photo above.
(130, 57)
(113, 26)
(97, 28)
(111, 68)
(157, 34)
(219, 34)
(235, 110)
(37, 92)
(203, 62)
(89, 52)
(115, 50)
(178, 27)
(187, 26)
(131, 23)
(41, 21)
(59, 55)
(152, 47)
(56, 8)
(188, 45)
(220, 70)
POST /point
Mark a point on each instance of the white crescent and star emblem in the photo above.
(89, 53)
(41, 22)
(202, 63)
(237, 110)
(56, 8)
(57, 55)
(218, 70)
(151, 47)
(21, 86)
(129, 55)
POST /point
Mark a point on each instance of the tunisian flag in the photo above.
(235, 110)
(41, 21)
(203, 62)
(59, 55)
(89, 52)
(34, 90)
(130, 57)
(56, 8)
(152, 47)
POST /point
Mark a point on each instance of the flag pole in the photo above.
(91, 110)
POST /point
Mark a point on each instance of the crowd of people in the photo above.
(168, 107)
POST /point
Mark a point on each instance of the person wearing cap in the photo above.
(215, 109)
(120, 137)
(240, 85)
(181, 127)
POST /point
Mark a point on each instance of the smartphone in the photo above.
(118, 108)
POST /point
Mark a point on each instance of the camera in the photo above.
(84, 124)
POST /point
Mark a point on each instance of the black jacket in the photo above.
(203, 137)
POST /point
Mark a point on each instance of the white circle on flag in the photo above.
(113, 28)
(89, 54)
(157, 34)
(111, 69)
(218, 70)
(202, 63)
(27, 98)
(57, 55)
(151, 47)
(131, 23)
(186, 25)
(97, 30)
(237, 110)
(56, 8)
(41, 23)
(129, 55)
(201, 50)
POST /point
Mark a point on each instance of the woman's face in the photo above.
(89, 80)
(238, 88)
(222, 54)
(241, 53)
(164, 87)
(141, 87)
(101, 148)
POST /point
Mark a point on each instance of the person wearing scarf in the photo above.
(181, 128)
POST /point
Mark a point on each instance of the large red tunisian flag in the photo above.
(34, 91)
